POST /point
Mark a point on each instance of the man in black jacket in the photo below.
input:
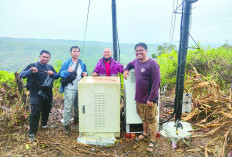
(40, 96)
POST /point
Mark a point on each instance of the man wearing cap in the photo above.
(107, 66)
(71, 89)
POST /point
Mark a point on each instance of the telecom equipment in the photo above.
(99, 106)
(132, 119)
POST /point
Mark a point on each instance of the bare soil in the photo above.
(53, 142)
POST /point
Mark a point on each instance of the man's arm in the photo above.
(84, 72)
(63, 73)
(129, 66)
(126, 70)
(120, 67)
(96, 69)
(53, 73)
(155, 74)
(26, 72)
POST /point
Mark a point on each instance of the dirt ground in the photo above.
(53, 142)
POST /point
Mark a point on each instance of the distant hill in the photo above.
(17, 53)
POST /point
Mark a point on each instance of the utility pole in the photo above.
(114, 27)
(182, 54)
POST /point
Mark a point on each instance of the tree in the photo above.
(154, 55)
(226, 45)
(164, 48)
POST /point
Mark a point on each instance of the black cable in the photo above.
(171, 22)
(174, 26)
(86, 24)
(194, 41)
(168, 118)
(178, 8)
(191, 27)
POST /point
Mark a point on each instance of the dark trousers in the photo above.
(43, 108)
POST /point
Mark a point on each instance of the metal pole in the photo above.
(182, 54)
(114, 27)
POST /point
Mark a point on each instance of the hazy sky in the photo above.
(138, 20)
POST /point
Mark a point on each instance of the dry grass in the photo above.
(212, 112)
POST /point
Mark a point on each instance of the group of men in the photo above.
(147, 78)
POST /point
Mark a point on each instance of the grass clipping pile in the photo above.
(211, 114)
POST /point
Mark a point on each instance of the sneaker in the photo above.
(48, 126)
(66, 129)
(32, 137)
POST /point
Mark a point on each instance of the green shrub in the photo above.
(212, 63)
(168, 68)
(7, 79)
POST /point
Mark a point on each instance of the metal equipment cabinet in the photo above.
(99, 106)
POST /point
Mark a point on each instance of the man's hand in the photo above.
(84, 74)
(50, 72)
(34, 69)
(125, 74)
(95, 74)
(149, 103)
(70, 69)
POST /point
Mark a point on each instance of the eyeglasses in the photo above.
(140, 50)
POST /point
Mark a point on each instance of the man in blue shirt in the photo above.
(71, 89)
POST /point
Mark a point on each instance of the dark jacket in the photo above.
(35, 80)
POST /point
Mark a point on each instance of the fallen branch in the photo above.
(212, 131)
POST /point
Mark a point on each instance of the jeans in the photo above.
(70, 102)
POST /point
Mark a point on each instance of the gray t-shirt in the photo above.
(74, 86)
